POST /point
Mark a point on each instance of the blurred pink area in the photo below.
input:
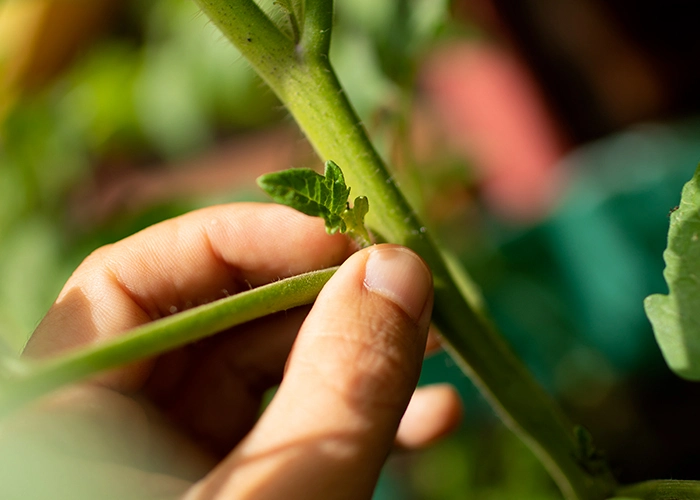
(490, 111)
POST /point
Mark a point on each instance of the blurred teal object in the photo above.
(580, 278)
(568, 294)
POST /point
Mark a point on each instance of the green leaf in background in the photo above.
(324, 196)
(676, 317)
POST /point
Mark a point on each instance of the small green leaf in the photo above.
(676, 317)
(311, 193)
(338, 199)
(354, 218)
(324, 196)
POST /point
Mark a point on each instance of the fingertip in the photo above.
(401, 276)
(433, 344)
(434, 412)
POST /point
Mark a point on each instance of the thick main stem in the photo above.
(476, 346)
(304, 80)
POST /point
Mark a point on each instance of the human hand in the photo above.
(187, 422)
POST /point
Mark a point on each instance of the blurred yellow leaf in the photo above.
(38, 38)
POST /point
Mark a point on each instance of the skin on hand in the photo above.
(352, 370)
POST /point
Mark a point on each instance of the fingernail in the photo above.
(399, 275)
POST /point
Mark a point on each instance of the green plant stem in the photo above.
(40, 377)
(306, 83)
(660, 490)
(316, 36)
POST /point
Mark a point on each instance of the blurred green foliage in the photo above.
(165, 90)
(491, 464)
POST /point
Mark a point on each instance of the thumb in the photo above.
(350, 376)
